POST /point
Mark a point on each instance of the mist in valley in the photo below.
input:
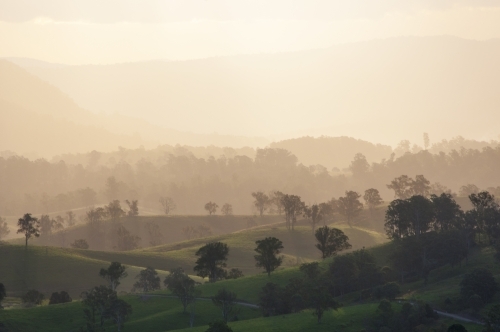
(167, 162)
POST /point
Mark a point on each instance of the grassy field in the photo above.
(50, 269)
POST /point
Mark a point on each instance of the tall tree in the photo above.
(293, 207)
(484, 210)
(402, 187)
(447, 212)
(421, 186)
(29, 227)
(314, 214)
(226, 301)
(168, 204)
(113, 274)
(276, 199)
(426, 141)
(359, 166)
(212, 258)
(148, 280)
(261, 201)
(372, 200)
(331, 241)
(350, 206)
(114, 210)
(182, 286)
(133, 208)
(227, 209)
(4, 228)
(413, 216)
(268, 251)
(211, 207)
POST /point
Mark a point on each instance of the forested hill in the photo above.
(41, 186)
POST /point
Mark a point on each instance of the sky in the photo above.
(115, 31)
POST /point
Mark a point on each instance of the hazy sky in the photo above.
(101, 32)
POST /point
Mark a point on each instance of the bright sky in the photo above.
(102, 32)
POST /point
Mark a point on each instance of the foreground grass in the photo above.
(148, 315)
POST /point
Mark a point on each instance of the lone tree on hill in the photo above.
(227, 209)
(29, 226)
(226, 301)
(349, 206)
(314, 214)
(133, 208)
(181, 286)
(293, 207)
(372, 200)
(168, 204)
(331, 241)
(268, 251)
(148, 280)
(113, 274)
(211, 207)
(212, 258)
(261, 201)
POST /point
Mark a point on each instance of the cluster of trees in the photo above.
(434, 231)
(192, 181)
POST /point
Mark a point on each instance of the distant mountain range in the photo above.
(380, 91)
(38, 119)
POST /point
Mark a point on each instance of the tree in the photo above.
(62, 297)
(114, 210)
(426, 141)
(155, 235)
(181, 286)
(227, 209)
(271, 300)
(29, 226)
(421, 186)
(226, 301)
(261, 201)
(314, 214)
(3, 294)
(413, 216)
(133, 208)
(126, 240)
(268, 251)
(320, 300)
(349, 205)
(80, 244)
(32, 297)
(168, 204)
(97, 303)
(372, 200)
(4, 228)
(70, 218)
(359, 166)
(456, 328)
(118, 311)
(402, 187)
(276, 199)
(467, 190)
(234, 273)
(479, 281)
(447, 212)
(211, 207)
(148, 280)
(485, 212)
(331, 241)
(113, 274)
(344, 271)
(293, 207)
(212, 258)
(218, 326)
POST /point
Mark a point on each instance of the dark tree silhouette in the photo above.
(226, 301)
(181, 286)
(211, 207)
(113, 274)
(212, 258)
(372, 200)
(29, 227)
(268, 251)
(349, 205)
(261, 201)
(331, 241)
(148, 280)
(133, 208)
(168, 204)
(293, 207)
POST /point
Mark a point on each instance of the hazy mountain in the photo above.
(37, 116)
(381, 91)
(333, 151)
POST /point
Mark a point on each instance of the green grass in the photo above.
(50, 269)
(148, 315)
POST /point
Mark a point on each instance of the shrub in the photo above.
(33, 297)
(62, 297)
(80, 244)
